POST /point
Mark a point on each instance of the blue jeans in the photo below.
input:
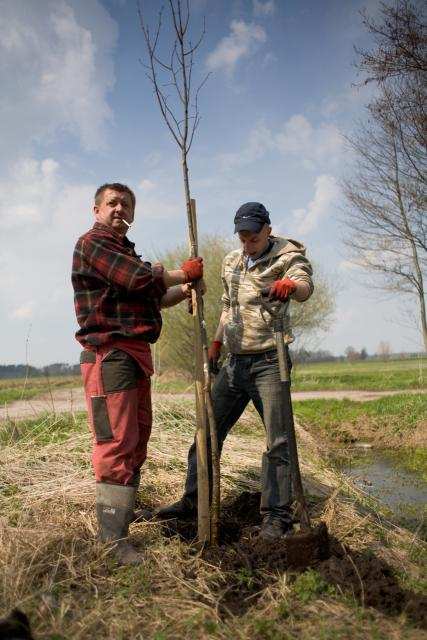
(254, 377)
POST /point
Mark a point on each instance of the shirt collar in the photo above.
(251, 261)
(109, 231)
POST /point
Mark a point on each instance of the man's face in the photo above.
(114, 207)
(253, 244)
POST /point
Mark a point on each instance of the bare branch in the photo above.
(386, 194)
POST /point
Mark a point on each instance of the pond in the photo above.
(397, 479)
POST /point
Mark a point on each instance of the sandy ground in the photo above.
(62, 400)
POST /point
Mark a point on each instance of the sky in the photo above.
(77, 110)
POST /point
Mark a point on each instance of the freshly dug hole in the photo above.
(250, 564)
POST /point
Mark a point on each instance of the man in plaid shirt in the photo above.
(118, 299)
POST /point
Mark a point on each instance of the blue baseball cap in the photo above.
(251, 216)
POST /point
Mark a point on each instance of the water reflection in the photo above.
(388, 476)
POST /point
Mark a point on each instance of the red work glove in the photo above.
(214, 353)
(193, 269)
(282, 289)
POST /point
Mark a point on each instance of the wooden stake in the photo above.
(203, 509)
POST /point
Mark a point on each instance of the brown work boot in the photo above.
(143, 515)
(273, 527)
(115, 510)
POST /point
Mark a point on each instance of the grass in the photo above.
(392, 421)
(52, 567)
(46, 429)
(310, 585)
(372, 375)
(12, 389)
(362, 375)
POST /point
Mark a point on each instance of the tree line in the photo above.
(23, 370)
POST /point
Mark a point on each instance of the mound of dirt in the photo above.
(250, 564)
(372, 582)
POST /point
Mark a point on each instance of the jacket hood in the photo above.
(281, 246)
(285, 245)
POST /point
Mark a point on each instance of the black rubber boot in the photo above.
(115, 510)
(184, 509)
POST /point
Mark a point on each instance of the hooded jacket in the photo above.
(248, 327)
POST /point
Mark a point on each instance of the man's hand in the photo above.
(187, 288)
(282, 289)
(214, 353)
(193, 269)
(187, 291)
(157, 269)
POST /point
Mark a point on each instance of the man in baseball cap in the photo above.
(251, 368)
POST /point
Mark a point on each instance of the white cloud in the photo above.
(311, 145)
(260, 140)
(325, 195)
(297, 137)
(348, 101)
(25, 195)
(24, 311)
(62, 54)
(37, 254)
(242, 42)
(158, 208)
(263, 8)
(146, 185)
(72, 212)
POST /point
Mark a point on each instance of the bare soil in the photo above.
(251, 564)
(62, 400)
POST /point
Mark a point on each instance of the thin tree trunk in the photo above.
(179, 69)
(415, 258)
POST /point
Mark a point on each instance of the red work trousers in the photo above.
(118, 398)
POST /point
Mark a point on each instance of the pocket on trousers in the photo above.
(87, 357)
(101, 420)
(120, 372)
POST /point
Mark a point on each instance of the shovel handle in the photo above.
(292, 444)
(281, 354)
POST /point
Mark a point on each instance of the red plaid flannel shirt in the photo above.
(116, 294)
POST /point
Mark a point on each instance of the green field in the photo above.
(364, 375)
(367, 376)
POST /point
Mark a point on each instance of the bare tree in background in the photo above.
(180, 112)
(176, 340)
(387, 191)
(384, 350)
(316, 315)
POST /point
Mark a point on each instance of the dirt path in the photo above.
(63, 400)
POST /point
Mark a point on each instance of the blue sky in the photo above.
(76, 110)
